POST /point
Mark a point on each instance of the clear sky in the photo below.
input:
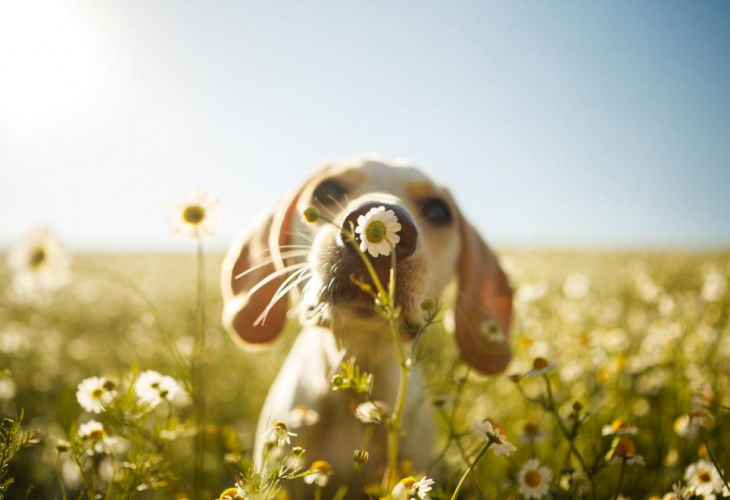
(591, 124)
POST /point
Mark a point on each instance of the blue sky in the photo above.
(555, 124)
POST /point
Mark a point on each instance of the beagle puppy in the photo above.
(283, 259)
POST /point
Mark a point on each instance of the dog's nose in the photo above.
(408, 232)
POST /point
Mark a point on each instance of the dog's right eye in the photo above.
(329, 192)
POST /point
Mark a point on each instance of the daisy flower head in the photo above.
(196, 216)
(321, 471)
(377, 230)
(371, 412)
(534, 479)
(494, 434)
(94, 393)
(540, 366)
(302, 415)
(619, 428)
(624, 449)
(234, 493)
(39, 265)
(409, 488)
(700, 418)
(92, 430)
(152, 388)
(278, 435)
(703, 477)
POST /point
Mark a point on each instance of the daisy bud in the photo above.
(62, 446)
(311, 215)
(298, 451)
(337, 381)
(427, 305)
(361, 457)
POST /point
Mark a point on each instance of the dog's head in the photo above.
(282, 254)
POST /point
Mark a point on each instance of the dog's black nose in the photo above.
(408, 232)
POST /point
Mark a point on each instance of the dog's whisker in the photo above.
(300, 234)
(335, 200)
(271, 277)
(281, 292)
(268, 261)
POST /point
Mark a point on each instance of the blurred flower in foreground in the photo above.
(278, 434)
(534, 480)
(320, 473)
(495, 434)
(619, 428)
(95, 392)
(39, 265)
(152, 388)
(302, 415)
(196, 216)
(703, 478)
(377, 230)
(92, 430)
(371, 412)
(233, 494)
(409, 488)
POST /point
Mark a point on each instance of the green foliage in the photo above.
(13, 438)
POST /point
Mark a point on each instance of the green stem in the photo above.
(468, 471)
(317, 492)
(620, 479)
(60, 477)
(712, 458)
(197, 365)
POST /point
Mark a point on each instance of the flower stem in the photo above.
(620, 479)
(468, 471)
(317, 492)
(712, 458)
(197, 379)
(60, 477)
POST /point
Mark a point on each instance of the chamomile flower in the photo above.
(92, 430)
(196, 216)
(540, 366)
(495, 434)
(278, 434)
(371, 412)
(703, 478)
(409, 488)
(619, 428)
(39, 265)
(233, 494)
(377, 230)
(152, 388)
(94, 393)
(624, 449)
(302, 415)
(320, 473)
(534, 480)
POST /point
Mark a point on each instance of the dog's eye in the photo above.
(328, 192)
(436, 212)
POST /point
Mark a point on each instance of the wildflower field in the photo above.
(618, 386)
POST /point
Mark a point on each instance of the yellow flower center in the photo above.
(625, 448)
(97, 434)
(194, 214)
(533, 478)
(539, 363)
(228, 494)
(97, 393)
(618, 425)
(38, 257)
(704, 476)
(408, 482)
(321, 466)
(376, 231)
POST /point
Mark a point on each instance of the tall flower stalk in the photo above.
(198, 384)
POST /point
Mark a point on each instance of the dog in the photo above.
(283, 256)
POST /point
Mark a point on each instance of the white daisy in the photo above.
(92, 430)
(377, 230)
(302, 415)
(278, 434)
(152, 388)
(409, 488)
(703, 478)
(39, 265)
(94, 393)
(619, 428)
(234, 493)
(539, 367)
(371, 412)
(196, 216)
(320, 473)
(495, 434)
(534, 480)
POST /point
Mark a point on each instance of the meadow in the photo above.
(624, 361)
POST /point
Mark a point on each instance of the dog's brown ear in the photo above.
(484, 305)
(246, 277)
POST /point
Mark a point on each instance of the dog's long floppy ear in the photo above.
(245, 297)
(484, 302)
